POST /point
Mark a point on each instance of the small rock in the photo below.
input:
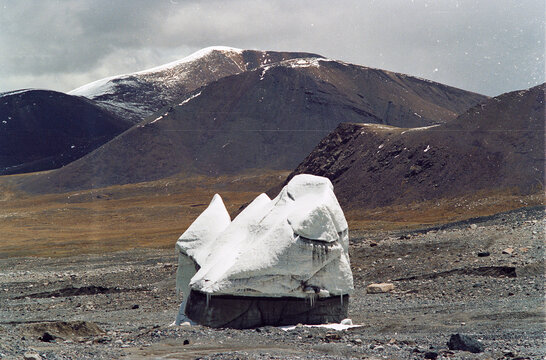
(185, 323)
(473, 227)
(379, 288)
(135, 307)
(431, 355)
(346, 322)
(372, 244)
(357, 341)
(484, 253)
(464, 343)
(47, 337)
(186, 342)
(32, 356)
(508, 251)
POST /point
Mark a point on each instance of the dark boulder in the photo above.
(464, 343)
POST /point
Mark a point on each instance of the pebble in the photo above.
(379, 288)
(32, 356)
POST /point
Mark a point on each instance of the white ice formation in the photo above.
(295, 245)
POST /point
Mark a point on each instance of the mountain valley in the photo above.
(442, 190)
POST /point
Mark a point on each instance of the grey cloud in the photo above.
(490, 46)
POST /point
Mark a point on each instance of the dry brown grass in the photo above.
(150, 214)
(154, 214)
(440, 211)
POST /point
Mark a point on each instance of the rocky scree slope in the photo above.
(42, 130)
(496, 145)
(268, 118)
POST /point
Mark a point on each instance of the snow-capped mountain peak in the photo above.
(138, 95)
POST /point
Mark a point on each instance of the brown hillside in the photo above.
(498, 145)
(269, 118)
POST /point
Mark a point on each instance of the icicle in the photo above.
(312, 299)
(341, 298)
(208, 300)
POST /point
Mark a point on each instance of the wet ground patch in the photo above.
(79, 291)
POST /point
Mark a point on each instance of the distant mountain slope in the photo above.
(42, 130)
(496, 145)
(135, 96)
(271, 117)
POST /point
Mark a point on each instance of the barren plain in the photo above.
(92, 275)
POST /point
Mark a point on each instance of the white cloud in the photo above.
(490, 46)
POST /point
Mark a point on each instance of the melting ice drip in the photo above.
(208, 300)
(311, 295)
(312, 298)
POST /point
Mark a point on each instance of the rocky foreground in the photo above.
(483, 278)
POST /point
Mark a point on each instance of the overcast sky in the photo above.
(487, 46)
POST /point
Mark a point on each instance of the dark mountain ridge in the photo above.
(42, 130)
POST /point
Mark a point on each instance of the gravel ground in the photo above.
(458, 278)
